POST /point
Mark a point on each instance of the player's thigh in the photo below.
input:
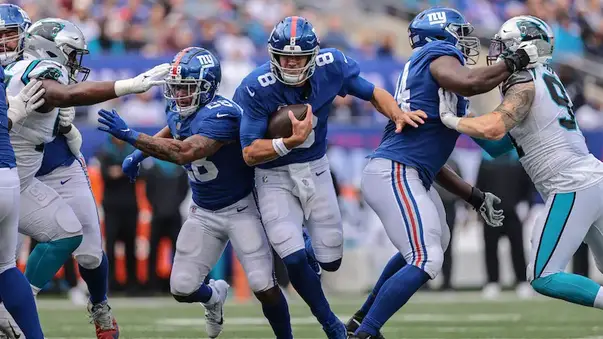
(594, 237)
(200, 244)
(9, 217)
(281, 212)
(44, 215)
(249, 241)
(439, 205)
(559, 231)
(407, 212)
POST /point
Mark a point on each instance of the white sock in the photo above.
(35, 290)
(599, 299)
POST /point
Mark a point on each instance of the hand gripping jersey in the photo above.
(7, 155)
(261, 94)
(428, 147)
(222, 179)
(29, 135)
(550, 145)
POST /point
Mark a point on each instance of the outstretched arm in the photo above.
(451, 75)
(179, 152)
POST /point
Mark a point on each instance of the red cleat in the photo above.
(106, 326)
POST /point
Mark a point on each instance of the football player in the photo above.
(293, 178)
(537, 114)
(397, 180)
(37, 52)
(203, 136)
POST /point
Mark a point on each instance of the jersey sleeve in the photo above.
(519, 77)
(495, 148)
(353, 83)
(254, 119)
(221, 125)
(436, 49)
(46, 69)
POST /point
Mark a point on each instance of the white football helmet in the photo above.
(521, 29)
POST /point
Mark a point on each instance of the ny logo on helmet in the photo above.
(436, 18)
(206, 61)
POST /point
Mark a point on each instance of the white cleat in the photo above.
(524, 290)
(8, 327)
(214, 308)
(491, 291)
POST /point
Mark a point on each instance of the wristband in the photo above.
(279, 147)
(476, 199)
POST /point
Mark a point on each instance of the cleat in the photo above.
(8, 327)
(354, 323)
(214, 308)
(362, 335)
(101, 316)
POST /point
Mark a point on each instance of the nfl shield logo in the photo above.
(178, 125)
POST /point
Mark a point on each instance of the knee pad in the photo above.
(260, 281)
(433, 263)
(183, 284)
(89, 261)
(331, 266)
(296, 259)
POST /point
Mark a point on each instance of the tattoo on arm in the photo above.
(178, 151)
(516, 104)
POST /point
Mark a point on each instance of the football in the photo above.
(279, 125)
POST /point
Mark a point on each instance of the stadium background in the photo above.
(128, 37)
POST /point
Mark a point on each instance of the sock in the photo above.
(310, 252)
(47, 258)
(393, 265)
(279, 318)
(394, 293)
(97, 280)
(202, 295)
(307, 283)
(18, 300)
(569, 287)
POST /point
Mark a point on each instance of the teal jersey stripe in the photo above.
(25, 76)
(559, 213)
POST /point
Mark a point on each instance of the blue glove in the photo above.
(131, 165)
(114, 124)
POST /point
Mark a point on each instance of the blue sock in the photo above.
(97, 280)
(201, 295)
(310, 252)
(47, 258)
(394, 293)
(393, 265)
(19, 301)
(279, 318)
(307, 283)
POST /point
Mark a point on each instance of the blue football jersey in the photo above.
(224, 178)
(427, 147)
(7, 155)
(260, 94)
(56, 154)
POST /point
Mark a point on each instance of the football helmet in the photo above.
(12, 18)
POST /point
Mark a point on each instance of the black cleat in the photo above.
(352, 325)
(362, 335)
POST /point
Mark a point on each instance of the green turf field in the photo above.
(430, 315)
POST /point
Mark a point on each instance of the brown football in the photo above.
(279, 125)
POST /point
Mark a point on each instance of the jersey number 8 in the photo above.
(202, 170)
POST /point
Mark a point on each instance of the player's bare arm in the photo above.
(265, 150)
(514, 108)
(178, 151)
(385, 103)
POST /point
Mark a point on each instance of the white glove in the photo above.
(28, 100)
(492, 216)
(448, 102)
(66, 116)
(532, 51)
(74, 140)
(143, 82)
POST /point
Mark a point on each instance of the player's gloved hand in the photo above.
(112, 123)
(526, 56)
(74, 140)
(448, 102)
(301, 129)
(28, 100)
(131, 165)
(143, 82)
(66, 116)
(484, 203)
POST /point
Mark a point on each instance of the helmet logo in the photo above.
(206, 61)
(436, 18)
(292, 41)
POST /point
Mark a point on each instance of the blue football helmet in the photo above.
(12, 18)
(441, 23)
(193, 80)
(294, 36)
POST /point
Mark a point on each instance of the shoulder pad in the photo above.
(49, 69)
(435, 49)
(518, 77)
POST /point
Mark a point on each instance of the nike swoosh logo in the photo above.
(320, 173)
(242, 209)
(17, 336)
(64, 182)
(125, 130)
(221, 115)
(251, 93)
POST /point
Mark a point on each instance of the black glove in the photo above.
(516, 61)
(476, 199)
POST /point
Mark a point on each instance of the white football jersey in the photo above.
(550, 144)
(30, 134)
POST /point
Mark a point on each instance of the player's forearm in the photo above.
(489, 126)
(384, 102)
(454, 184)
(163, 133)
(80, 94)
(171, 150)
(484, 79)
(259, 152)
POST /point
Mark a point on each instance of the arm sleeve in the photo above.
(353, 83)
(495, 148)
(222, 126)
(254, 120)
(436, 49)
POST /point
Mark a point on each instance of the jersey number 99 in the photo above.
(202, 170)
(559, 96)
